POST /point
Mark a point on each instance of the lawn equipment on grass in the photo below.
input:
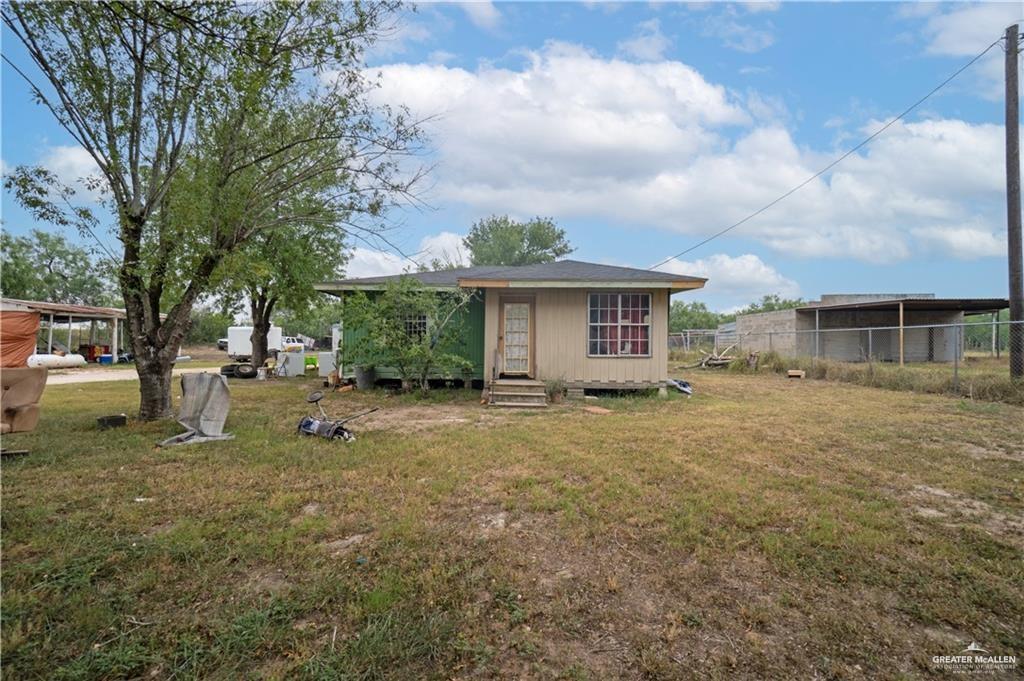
(325, 427)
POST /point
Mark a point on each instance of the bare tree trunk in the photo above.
(155, 390)
(262, 307)
(153, 363)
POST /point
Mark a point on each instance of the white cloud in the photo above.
(766, 107)
(735, 280)
(73, 166)
(606, 6)
(964, 30)
(735, 33)
(399, 39)
(573, 135)
(966, 243)
(915, 9)
(446, 247)
(648, 42)
(762, 6)
(368, 262)
(440, 57)
(482, 13)
(754, 70)
(566, 119)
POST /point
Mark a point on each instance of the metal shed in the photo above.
(852, 327)
(56, 315)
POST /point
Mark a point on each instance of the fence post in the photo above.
(956, 359)
(995, 345)
(871, 347)
(817, 334)
(769, 341)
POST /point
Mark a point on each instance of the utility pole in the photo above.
(1013, 236)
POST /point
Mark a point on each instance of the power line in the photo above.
(834, 163)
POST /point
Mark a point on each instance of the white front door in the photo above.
(517, 338)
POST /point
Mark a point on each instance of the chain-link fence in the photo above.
(964, 358)
(698, 340)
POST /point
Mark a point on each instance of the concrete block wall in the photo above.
(758, 325)
(834, 342)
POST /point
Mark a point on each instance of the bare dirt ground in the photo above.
(87, 375)
(205, 353)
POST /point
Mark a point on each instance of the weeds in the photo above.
(937, 379)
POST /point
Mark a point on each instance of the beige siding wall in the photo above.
(560, 345)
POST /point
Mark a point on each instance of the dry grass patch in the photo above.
(761, 529)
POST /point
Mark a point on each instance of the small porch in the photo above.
(517, 392)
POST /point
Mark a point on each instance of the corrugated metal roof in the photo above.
(962, 304)
(561, 270)
(64, 309)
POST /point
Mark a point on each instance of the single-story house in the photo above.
(852, 327)
(587, 325)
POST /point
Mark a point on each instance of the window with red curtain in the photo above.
(619, 325)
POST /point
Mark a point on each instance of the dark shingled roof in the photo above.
(561, 270)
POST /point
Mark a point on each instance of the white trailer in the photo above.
(240, 342)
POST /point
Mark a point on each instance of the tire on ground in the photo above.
(245, 371)
(228, 370)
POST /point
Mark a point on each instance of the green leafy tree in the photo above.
(208, 326)
(209, 123)
(314, 321)
(768, 303)
(408, 327)
(979, 338)
(500, 240)
(44, 266)
(692, 315)
(278, 269)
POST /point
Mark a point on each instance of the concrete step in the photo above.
(520, 405)
(528, 397)
(505, 388)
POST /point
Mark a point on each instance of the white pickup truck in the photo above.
(292, 344)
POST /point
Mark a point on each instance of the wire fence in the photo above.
(961, 355)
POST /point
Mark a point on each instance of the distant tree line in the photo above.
(696, 315)
(46, 267)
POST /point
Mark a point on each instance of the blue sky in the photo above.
(642, 128)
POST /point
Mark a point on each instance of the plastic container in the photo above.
(106, 359)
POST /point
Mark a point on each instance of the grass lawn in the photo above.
(763, 529)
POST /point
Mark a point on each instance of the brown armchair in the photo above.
(19, 402)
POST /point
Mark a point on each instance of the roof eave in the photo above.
(675, 285)
(342, 287)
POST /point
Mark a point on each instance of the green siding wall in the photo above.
(470, 325)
